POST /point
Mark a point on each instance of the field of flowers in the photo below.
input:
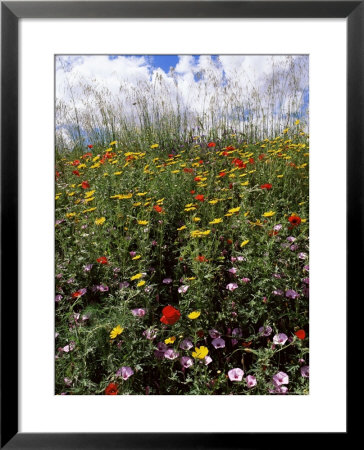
(185, 270)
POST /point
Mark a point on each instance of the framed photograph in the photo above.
(178, 216)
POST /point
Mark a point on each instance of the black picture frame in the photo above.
(11, 12)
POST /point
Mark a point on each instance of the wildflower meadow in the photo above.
(182, 238)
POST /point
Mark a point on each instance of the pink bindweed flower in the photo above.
(138, 312)
(171, 354)
(292, 294)
(218, 343)
(58, 298)
(214, 334)
(280, 339)
(186, 344)
(278, 292)
(233, 270)
(67, 382)
(88, 268)
(150, 334)
(231, 287)
(167, 280)
(265, 331)
(302, 255)
(236, 374)
(291, 239)
(280, 378)
(277, 227)
(183, 289)
(245, 280)
(125, 372)
(251, 381)
(241, 258)
(305, 371)
(207, 360)
(124, 284)
(186, 362)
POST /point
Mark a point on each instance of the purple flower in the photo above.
(67, 382)
(279, 390)
(251, 381)
(85, 317)
(302, 255)
(277, 227)
(171, 354)
(88, 268)
(265, 331)
(294, 247)
(307, 268)
(236, 374)
(103, 288)
(238, 332)
(69, 347)
(280, 378)
(58, 298)
(233, 259)
(150, 334)
(167, 281)
(306, 280)
(124, 284)
(291, 294)
(233, 270)
(231, 286)
(186, 344)
(305, 371)
(218, 343)
(278, 292)
(291, 239)
(138, 312)
(214, 334)
(125, 372)
(277, 275)
(241, 258)
(71, 280)
(132, 254)
(245, 280)
(186, 362)
(183, 289)
(280, 338)
(207, 360)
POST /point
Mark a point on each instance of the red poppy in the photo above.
(222, 174)
(229, 241)
(187, 170)
(170, 156)
(170, 315)
(211, 144)
(90, 146)
(225, 153)
(251, 160)
(261, 156)
(246, 344)
(230, 148)
(192, 192)
(200, 197)
(158, 208)
(76, 162)
(200, 162)
(239, 163)
(76, 294)
(85, 185)
(76, 172)
(102, 260)
(300, 334)
(201, 258)
(230, 185)
(197, 179)
(272, 233)
(111, 389)
(57, 174)
(267, 186)
(86, 155)
(294, 220)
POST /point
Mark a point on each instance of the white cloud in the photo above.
(203, 86)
